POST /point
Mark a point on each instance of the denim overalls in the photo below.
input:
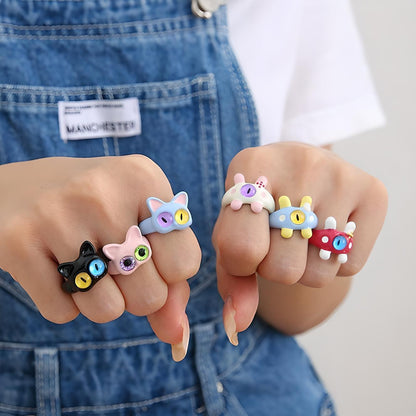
(196, 114)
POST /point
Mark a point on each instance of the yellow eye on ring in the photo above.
(181, 216)
(297, 217)
(83, 280)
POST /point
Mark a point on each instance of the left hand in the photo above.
(246, 245)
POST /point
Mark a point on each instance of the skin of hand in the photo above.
(285, 280)
(50, 206)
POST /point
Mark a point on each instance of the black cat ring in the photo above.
(83, 273)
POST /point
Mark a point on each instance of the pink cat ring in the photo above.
(126, 257)
(254, 194)
(330, 240)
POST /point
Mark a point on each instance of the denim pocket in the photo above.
(180, 132)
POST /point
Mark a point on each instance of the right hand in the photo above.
(50, 206)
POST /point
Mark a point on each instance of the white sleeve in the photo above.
(331, 95)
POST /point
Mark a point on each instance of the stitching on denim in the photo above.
(114, 138)
(236, 82)
(106, 150)
(85, 345)
(170, 100)
(46, 370)
(39, 383)
(116, 146)
(204, 159)
(55, 374)
(76, 1)
(142, 403)
(81, 26)
(148, 87)
(168, 87)
(106, 36)
(11, 408)
(105, 147)
(217, 142)
(173, 84)
(242, 358)
(240, 94)
(82, 346)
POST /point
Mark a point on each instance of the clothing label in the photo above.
(79, 120)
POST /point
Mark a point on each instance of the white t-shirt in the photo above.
(304, 63)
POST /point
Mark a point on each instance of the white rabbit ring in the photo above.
(254, 194)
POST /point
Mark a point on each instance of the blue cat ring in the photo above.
(167, 216)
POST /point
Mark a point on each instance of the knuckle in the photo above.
(318, 278)
(151, 300)
(183, 269)
(351, 268)
(110, 313)
(190, 267)
(177, 259)
(88, 186)
(142, 167)
(289, 274)
(241, 254)
(379, 191)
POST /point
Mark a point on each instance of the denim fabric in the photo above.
(196, 114)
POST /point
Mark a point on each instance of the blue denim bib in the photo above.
(196, 114)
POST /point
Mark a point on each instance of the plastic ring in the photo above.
(289, 218)
(126, 257)
(83, 273)
(167, 216)
(254, 194)
(330, 240)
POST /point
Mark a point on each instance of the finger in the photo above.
(43, 283)
(103, 302)
(176, 255)
(241, 297)
(286, 261)
(170, 322)
(144, 290)
(322, 266)
(368, 215)
(241, 240)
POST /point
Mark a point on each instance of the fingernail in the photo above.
(229, 321)
(179, 350)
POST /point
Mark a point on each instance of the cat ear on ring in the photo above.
(126, 257)
(84, 272)
(167, 216)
